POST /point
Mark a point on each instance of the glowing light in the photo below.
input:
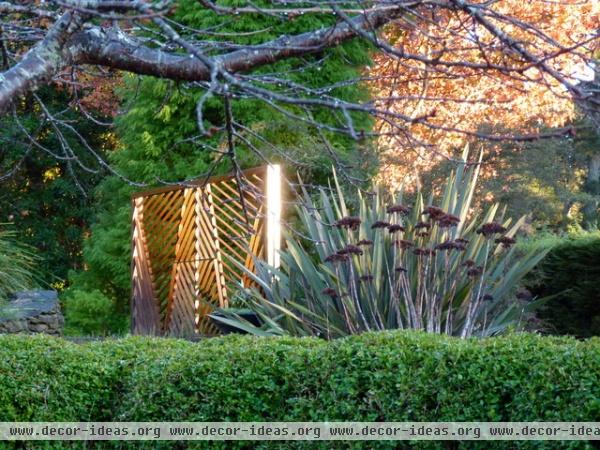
(273, 214)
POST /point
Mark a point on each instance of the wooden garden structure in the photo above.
(188, 245)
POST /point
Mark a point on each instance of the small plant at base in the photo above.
(17, 266)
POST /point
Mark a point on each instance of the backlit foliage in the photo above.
(450, 103)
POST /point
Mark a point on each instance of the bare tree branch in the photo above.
(115, 49)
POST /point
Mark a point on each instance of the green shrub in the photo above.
(91, 313)
(570, 277)
(388, 376)
(50, 379)
(384, 265)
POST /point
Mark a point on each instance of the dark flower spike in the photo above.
(398, 209)
(475, 271)
(400, 269)
(424, 251)
(395, 228)
(350, 222)
(506, 241)
(487, 298)
(422, 225)
(448, 220)
(330, 292)
(380, 224)
(448, 245)
(423, 234)
(434, 212)
(336, 257)
(403, 243)
(366, 278)
(461, 241)
(491, 228)
(365, 242)
(461, 246)
(350, 250)
(469, 263)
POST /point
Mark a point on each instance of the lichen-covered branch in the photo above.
(42, 62)
(67, 44)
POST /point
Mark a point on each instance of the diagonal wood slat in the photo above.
(184, 242)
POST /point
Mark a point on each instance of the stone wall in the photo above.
(32, 312)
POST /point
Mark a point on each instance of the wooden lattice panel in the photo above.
(187, 241)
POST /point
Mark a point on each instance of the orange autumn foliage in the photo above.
(452, 101)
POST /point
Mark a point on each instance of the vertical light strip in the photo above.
(273, 214)
(197, 254)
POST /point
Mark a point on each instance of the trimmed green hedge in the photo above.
(389, 376)
(570, 276)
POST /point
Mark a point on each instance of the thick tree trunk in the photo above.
(593, 175)
(590, 209)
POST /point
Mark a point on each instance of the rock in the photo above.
(32, 312)
(38, 328)
(14, 326)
